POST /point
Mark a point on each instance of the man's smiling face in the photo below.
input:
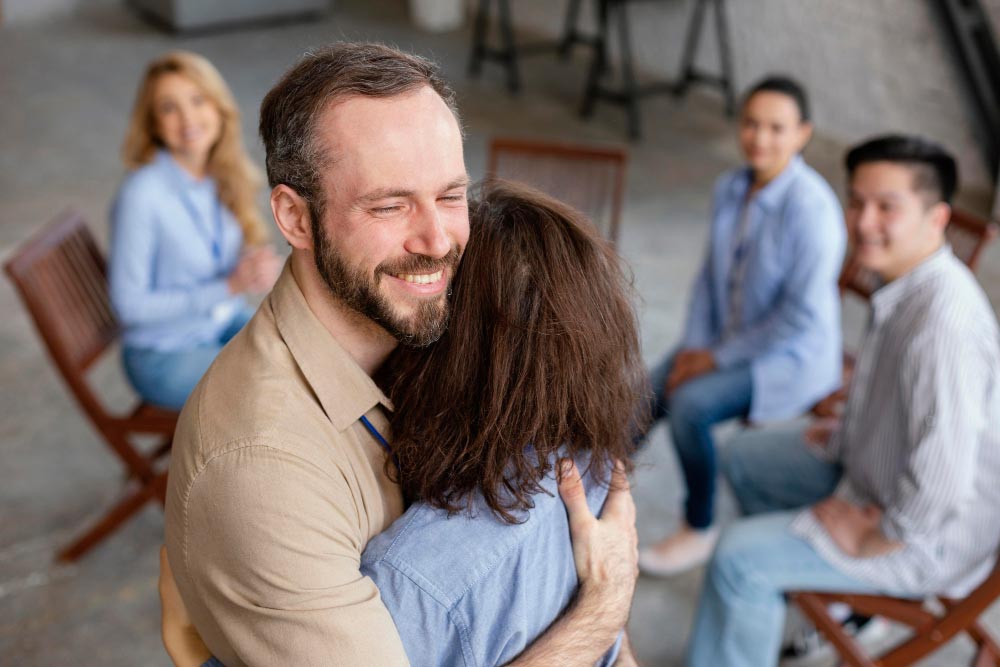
(395, 218)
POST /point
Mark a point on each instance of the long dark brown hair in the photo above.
(541, 358)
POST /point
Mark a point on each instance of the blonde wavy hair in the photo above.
(236, 177)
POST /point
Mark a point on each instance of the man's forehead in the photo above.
(883, 179)
(406, 142)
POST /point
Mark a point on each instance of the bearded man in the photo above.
(277, 476)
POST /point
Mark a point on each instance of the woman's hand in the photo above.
(182, 641)
(256, 271)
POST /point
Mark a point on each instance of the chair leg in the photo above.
(847, 648)
(479, 36)
(988, 653)
(985, 658)
(598, 63)
(125, 508)
(631, 89)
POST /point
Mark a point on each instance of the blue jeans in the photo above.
(692, 410)
(741, 613)
(166, 378)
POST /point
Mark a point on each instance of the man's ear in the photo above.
(805, 134)
(939, 215)
(291, 213)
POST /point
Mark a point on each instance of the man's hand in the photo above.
(855, 530)
(819, 432)
(605, 550)
(606, 554)
(689, 364)
(182, 641)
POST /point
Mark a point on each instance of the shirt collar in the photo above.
(772, 195)
(886, 298)
(180, 175)
(342, 387)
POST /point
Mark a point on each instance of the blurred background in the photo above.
(68, 74)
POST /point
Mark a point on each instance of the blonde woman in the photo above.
(187, 240)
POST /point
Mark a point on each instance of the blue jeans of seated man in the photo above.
(166, 379)
(741, 613)
(692, 410)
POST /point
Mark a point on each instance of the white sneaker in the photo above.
(810, 649)
(684, 550)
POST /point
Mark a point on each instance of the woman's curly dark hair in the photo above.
(541, 358)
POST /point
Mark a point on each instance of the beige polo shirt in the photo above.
(275, 489)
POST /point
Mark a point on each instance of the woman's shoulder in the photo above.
(731, 179)
(147, 180)
(809, 187)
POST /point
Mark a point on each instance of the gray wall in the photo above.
(870, 65)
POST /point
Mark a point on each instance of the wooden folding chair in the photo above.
(588, 178)
(968, 235)
(62, 279)
(930, 631)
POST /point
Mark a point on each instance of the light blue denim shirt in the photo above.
(472, 591)
(790, 329)
(172, 246)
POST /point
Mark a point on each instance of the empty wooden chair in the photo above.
(62, 279)
(589, 178)
(931, 630)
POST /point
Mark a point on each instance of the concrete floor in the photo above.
(67, 89)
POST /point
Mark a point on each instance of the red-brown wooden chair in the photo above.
(968, 235)
(62, 279)
(588, 178)
(931, 630)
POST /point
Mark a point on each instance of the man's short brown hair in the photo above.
(289, 112)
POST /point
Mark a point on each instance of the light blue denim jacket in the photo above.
(167, 285)
(790, 334)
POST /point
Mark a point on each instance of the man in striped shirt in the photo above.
(902, 496)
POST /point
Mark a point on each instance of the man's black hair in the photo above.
(934, 169)
(786, 86)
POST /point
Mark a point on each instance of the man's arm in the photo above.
(945, 382)
(606, 555)
(855, 530)
(180, 638)
(270, 565)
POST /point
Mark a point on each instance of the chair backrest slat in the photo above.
(62, 279)
(589, 178)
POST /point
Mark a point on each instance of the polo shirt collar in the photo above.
(342, 387)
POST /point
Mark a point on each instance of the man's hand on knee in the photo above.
(605, 549)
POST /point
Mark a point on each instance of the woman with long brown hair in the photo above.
(540, 363)
(187, 239)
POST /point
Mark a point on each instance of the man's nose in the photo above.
(428, 235)
(867, 219)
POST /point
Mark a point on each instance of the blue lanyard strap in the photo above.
(380, 439)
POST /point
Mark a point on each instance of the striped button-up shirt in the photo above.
(921, 434)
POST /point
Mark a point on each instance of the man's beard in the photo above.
(360, 291)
